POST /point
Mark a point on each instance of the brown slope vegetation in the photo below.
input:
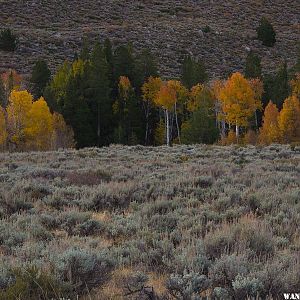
(53, 30)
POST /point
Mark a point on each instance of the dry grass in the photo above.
(162, 221)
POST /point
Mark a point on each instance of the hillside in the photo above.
(53, 30)
(129, 222)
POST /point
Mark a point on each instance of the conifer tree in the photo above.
(253, 66)
(192, 72)
(40, 77)
(75, 108)
(266, 33)
(99, 96)
(123, 63)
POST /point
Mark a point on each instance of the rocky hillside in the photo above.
(53, 29)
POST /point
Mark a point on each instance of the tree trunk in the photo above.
(176, 119)
(147, 124)
(168, 127)
(223, 133)
(98, 126)
(237, 131)
(256, 121)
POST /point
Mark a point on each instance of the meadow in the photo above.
(134, 222)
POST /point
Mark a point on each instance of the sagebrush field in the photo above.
(186, 222)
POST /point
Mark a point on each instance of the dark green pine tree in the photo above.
(99, 95)
(130, 125)
(108, 51)
(253, 66)
(123, 63)
(40, 77)
(77, 113)
(192, 72)
(277, 87)
(145, 66)
(266, 33)
(85, 50)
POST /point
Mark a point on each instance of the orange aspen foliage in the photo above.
(39, 127)
(269, 132)
(124, 87)
(295, 84)
(239, 101)
(257, 87)
(20, 103)
(181, 91)
(151, 88)
(166, 97)
(289, 120)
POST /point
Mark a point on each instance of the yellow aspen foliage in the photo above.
(166, 97)
(63, 135)
(200, 95)
(124, 87)
(269, 132)
(239, 101)
(151, 88)
(39, 129)
(181, 90)
(194, 100)
(20, 103)
(78, 67)
(3, 132)
(289, 120)
(295, 84)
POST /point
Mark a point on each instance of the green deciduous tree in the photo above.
(201, 126)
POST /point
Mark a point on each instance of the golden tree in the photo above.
(239, 101)
(216, 87)
(150, 90)
(258, 88)
(295, 84)
(166, 98)
(269, 132)
(19, 106)
(182, 95)
(289, 120)
(39, 129)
